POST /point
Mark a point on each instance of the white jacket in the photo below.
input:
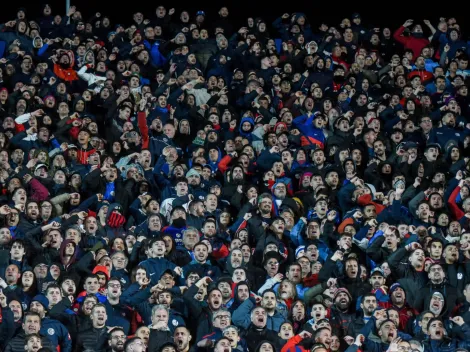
(91, 78)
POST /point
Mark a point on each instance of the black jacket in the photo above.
(17, 343)
(158, 338)
(92, 339)
(254, 335)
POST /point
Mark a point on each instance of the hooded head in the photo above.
(246, 126)
(63, 251)
(37, 42)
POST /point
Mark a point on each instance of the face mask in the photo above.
(116, 220)
(179, 223)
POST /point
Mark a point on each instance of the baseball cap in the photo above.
(377, 271)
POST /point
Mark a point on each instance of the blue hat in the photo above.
(201, 13)
(394, 287)
(41, 299)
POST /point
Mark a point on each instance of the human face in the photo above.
(98, 317)
(369, 305)
(31, 325)
(398, 297)
(436, 274)
(377, 280)
(91, 285)
(17, 310)
(269, 301)
(238, 275)
(182, 338)
(325, 337)
(259, 317)
(222, 320)
(215, 299)
(27, 278)
(436, 304)
(223, 345)
(436, 330)
(158, 249)
(388, 332)
(33, 344)
(119, 261)
(295, 273)
(318, 312)
(342, 301)
(68, 286)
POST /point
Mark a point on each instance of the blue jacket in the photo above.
(7, 327)
(57, 333)
(241, 316)
(448, 344)
(155, 268)
(207, 269)
(305, 125)
(157, 58)
(138, 299)
(119, 315)
(444, 134)
(123, 277)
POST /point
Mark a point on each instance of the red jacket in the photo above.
(415, 44)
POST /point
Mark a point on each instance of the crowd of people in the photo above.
(178, 184)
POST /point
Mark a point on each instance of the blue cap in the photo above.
(201, 13)
(41, 299)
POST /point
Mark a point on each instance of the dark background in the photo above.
(374, 14)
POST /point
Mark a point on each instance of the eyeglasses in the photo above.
(222, 317)
(114, 285)
(121, 337)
